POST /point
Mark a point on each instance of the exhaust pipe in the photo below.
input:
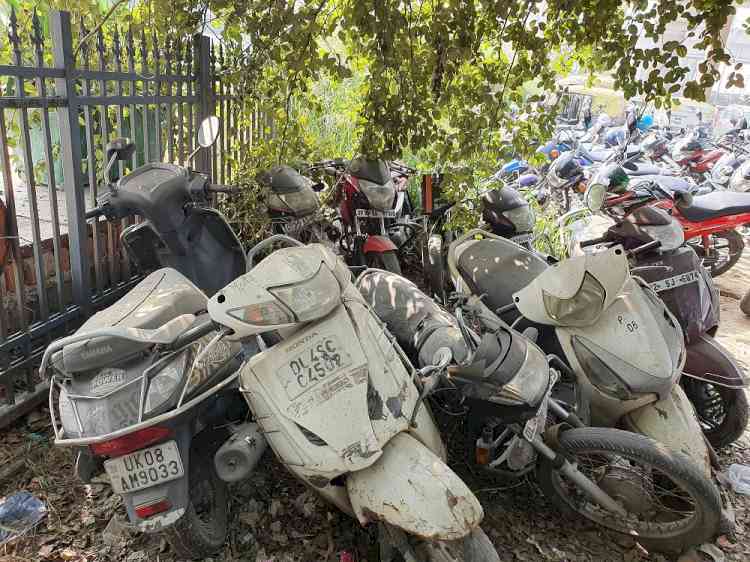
(239, 455)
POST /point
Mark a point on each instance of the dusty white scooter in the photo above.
(625, 347)
(334, 396)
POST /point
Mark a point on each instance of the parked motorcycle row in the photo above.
(597, 374)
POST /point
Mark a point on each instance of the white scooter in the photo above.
(624, 346)
(334, 398)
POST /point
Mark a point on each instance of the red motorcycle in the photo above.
(370, 196)
(709, 221)
(696, 157)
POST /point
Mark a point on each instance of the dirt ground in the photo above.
(274, 518)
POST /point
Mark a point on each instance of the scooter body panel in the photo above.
(672, 421)
(709, 361)
(410, 487)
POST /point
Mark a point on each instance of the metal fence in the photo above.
(59, 106)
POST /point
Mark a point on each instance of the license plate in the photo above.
(676, 281)
(145, 468)
(369, 213)
(314, 364)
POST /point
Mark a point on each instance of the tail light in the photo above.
(146, 511)
(131, 442)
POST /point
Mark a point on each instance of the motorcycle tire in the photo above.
(201, 532)
(733, 415)
(745, 304)
(475, 547)
(384, 260)
(667, 468)
(735, 245)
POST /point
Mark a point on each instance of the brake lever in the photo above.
(429, 377)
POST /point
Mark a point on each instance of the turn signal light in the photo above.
(131, 442)
(146, 511)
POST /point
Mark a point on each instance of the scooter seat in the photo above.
(498, 269)
(715, 205)
(161, 297)
(600, 155)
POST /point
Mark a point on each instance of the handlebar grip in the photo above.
(593, 242)
(94, 213)
(219, 188)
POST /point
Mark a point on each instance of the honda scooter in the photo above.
(339, 404)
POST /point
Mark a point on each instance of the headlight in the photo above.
(310, 299)
(522, 218)
(165, 382)
(530, 382)
(269, 313)
(581, 309)
(600, 375)
(379, 196)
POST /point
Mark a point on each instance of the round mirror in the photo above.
(595, 194)
(208, 132)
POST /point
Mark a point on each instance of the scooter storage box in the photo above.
(290, 192)
(688, 289)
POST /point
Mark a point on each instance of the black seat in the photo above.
(716, 204)
(498, 268)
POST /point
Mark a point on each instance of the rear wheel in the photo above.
(670, 503)
(725, 250)
(202, 530)
(722, 412)
(384, 260)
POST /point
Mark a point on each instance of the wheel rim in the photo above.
(719, 252)
(658, 508)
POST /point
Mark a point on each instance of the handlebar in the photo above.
(594, 241)
(645, 248)
(219, 188)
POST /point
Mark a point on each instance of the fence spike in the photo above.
(100, 43)
(143, 47)
(221, 56)
(37, 37)
(13, 37)
(84, 49)
(168, 54)
(155, 48)
(116, 45)
(129, 45)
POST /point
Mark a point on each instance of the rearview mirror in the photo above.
(121, 148)
(208, 131)
(630, 120)
(595, 194)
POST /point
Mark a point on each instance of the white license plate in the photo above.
(314, 364)
(676, 281)
(369, 213)
(145, 468)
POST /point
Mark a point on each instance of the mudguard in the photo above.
(709, 361)
(672, 422)
(412, 488)
(378, 244)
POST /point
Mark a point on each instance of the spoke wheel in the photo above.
(725, 250)
(670, 504)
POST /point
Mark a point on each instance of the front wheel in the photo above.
(670, 503)
(724, 250)
(722, 412)
(202, 530)
(475, 547)
(384, 260)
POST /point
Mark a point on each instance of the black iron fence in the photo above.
(61, 101)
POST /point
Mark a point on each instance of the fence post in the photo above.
(204, 86)
(70, 137)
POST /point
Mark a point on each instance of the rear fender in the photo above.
(174, 491)
(709, 361)
(378, 244)
(672, 422)
(413, 489)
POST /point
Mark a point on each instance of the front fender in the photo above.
(412, 488)
(709, 361)
(378, 244)
(672, 421)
